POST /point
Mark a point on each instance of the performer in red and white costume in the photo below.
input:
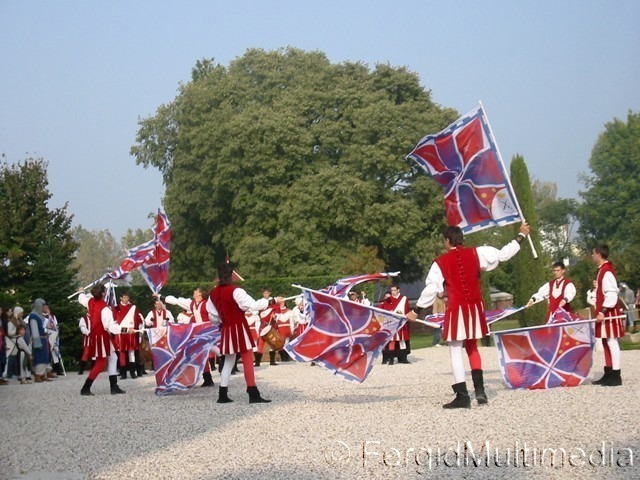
(286, 326)
(609, 316)
(399, 346)
(300, 318)
(159, 316)
(464, 320)
(102, 350)
(85, 327)
(559, 292)
(127, 315)
(227, 305)
(197, 308)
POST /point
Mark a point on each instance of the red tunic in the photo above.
(159, 318)
(235, 332)
(99, 338)
(128, 341)
(612, 328)
(464, 318)
(554, 302)
(199, 312)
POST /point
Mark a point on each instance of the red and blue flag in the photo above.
(463, 158)
(180, 353)
(342, 336)
(155, 268)
(554, 355)
(343, 286)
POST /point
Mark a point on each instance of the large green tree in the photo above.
(294, 165)
(610, 210)
(36, 245)
(529, 273)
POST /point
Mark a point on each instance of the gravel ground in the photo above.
(319, 426)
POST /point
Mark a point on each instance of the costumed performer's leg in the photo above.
(613, 347)
(225, 375)
(475, 361)
(98, 367)
(607, 363)
(112, 368)
(462, 399)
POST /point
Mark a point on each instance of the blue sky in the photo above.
(75, 76)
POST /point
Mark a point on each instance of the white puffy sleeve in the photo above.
(490, 257)
(434, 284)
(183, 303)
(570, 292)
(542, 293)
(610, 290)
(246, 302)
(84, 298)
(108, 322)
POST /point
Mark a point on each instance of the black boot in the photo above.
(208, 381)
(86, 388)
(81, 367)
(284, 356)
(614, 379)
(604, 378)
(113, 381)
(385, 357)
(402, 356)
(132, 370)
(392, 357)
(478, 386)
(57, 367)
(254, 395)
(140, 369)
(257, 358)
(462, 399)
(272, 358)
(222, 395)
(123, 373)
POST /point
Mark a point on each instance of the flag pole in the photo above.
(533, 249)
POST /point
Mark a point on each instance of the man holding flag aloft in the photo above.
(459, 268)
(464, 159)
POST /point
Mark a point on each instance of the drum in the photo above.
(272, 337)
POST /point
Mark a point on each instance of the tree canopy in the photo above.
(610, 209)
(36, 243)
(294, 165)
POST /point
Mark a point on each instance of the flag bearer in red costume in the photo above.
(103, 325)
(608, 327)
(459, 270)
(286, 327)
(227, 305)
(128, 315)
(399, 346)
(197, 306)
(559, 291)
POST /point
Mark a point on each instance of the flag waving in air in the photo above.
(342, 336)
(180, 353)
(464, 159)
(155, 268)
(343, 286)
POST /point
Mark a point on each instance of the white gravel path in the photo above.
(318, 427)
